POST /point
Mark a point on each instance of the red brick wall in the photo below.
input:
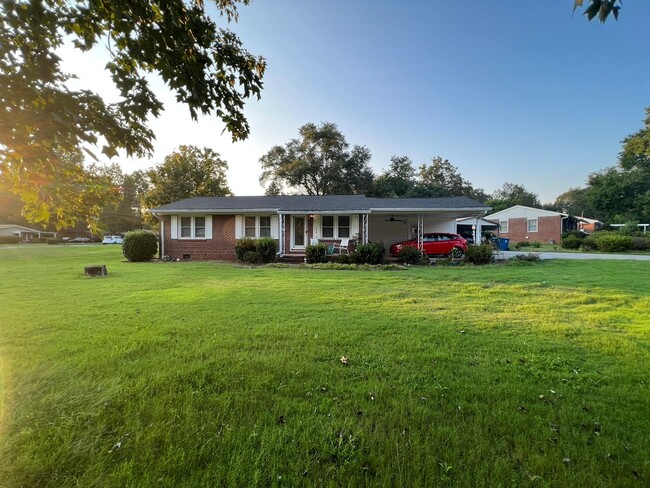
(220, 247)
(548, 229)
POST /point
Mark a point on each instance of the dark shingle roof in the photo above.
(324, 203)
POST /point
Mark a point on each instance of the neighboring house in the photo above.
(209, 227)
(520, 224)
(589, 226)
(25, 233)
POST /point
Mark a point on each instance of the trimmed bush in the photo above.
(9, 239)
(588, 244)
(371, 253)
(640, 243)
(571, 242)
(139, 245)
(267, 248)
(52, 240)
(614, 243)
(252, 257)
(576, 233)
(316, 253)
(410, 255)
(521, 244)
(345, 259)
(536, 244)
(243, 246)
(479, 254)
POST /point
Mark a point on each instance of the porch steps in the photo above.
(292, 258)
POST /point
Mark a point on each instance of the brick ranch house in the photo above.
(207, 228)
(520, 224)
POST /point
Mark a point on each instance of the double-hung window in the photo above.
(257, 226)
(192, 227)
(250, 227)
(265, 226)
(335, 226)
(532, 225)
(503, 226)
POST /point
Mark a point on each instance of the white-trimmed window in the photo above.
(256, 226)
(265, 226)
(503, 226)
(532, 225)
(335, 226)
(250, 226)
(192, 227)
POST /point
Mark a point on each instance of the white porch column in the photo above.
(421, 232)
(365, 228)
(281, 234)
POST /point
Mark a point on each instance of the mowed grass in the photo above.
(208, 374)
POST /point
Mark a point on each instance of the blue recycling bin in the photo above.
(503, 243)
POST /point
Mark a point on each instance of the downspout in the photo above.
(562, 227)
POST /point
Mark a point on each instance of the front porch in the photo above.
(296, 231)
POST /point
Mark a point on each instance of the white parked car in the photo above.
(112, 240)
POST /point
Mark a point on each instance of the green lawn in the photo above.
(205, 374)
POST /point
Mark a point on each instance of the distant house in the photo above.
(520, 224)
(25, 233)
(209, 227)
(589, 225)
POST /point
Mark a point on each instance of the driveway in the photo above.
(571, 255)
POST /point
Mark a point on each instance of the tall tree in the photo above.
(397, 181)
(125, 213)
(41, 117)
(441, 178)
(574, 201)
(512, 194)
(319, 162)
(187, 172)
(621, 193)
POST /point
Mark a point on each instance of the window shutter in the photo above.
(208, 226)
(174, 227)
(274, 227)
(354, 225)
(317, 233)
(239, 225)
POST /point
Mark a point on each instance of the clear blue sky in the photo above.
(507, 90)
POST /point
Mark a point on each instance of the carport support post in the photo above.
(420, 232)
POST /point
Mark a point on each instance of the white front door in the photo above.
(298, 231)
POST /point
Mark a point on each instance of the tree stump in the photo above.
(96, 270)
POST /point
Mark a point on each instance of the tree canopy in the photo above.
(319, 162)
(512, 194)
(41, 117)
(438, 179)
(124, 213)
(187, 172)
(599, 8)
(621, 193)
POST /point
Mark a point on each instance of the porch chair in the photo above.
(342, 246)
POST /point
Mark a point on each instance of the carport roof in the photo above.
(315, 204)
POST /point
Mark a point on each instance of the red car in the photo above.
(435, 244)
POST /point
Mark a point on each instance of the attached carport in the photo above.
(394, 220)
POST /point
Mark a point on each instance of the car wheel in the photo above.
(456, 252)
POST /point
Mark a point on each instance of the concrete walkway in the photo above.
(572, 255)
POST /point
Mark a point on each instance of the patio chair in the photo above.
(342, 246)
